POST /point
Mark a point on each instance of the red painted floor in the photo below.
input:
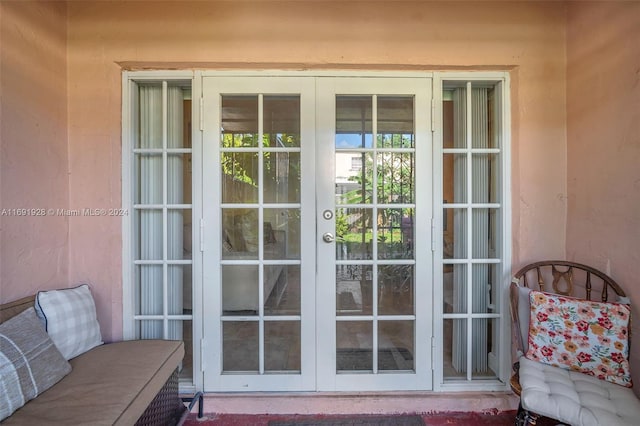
(436, 419)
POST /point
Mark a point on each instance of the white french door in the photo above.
(317, 261)
(258, 212)
(373, 189)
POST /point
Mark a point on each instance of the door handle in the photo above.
(328, 237)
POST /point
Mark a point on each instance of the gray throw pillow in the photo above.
(29, 361)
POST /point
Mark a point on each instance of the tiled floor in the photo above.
(504, 418)
(438, 419)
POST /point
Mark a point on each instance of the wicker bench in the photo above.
(123, 383)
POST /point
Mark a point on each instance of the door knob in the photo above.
(328, 237)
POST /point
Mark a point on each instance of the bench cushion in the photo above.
(576, 398)
(109, 385)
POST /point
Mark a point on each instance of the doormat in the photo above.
(356, 359)
(404, 420)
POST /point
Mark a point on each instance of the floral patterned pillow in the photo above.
(580, 335)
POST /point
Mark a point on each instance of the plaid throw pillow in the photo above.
(69, 316)
(29, 362)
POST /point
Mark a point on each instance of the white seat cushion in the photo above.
(576, 398)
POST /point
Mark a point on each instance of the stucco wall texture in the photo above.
(603, 128)
(34, 168)
(71, 155)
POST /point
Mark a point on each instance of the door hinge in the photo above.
(202, 235)
(202, 353)
(433, 234)
(201, 113)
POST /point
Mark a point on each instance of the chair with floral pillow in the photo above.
(571, 350)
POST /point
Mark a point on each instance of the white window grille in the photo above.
(158, 263)
(476, 260)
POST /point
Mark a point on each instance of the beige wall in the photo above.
(528, 38)
(603, 132)
(33, 148)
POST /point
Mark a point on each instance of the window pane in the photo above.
(149, 290)
(395, 172)
(281, 289)
(353, 122)
(395, 341)
(175, 288)
(150, 177)
(455, 289)
(354, 340)
(485, 169)
(239, 121)
(150, 125)
(455, 349)
(395, 290)
(281, 121)
(186, 367)
(395, 233)
(240, 290)
(459, 123)
(281, 232)
(240, 233)
(281, 177)
(187, 289)
(239, 177)
(354, 234)
(149, 225)
(483, 277)
(395, 122)
(454, 178)
(282, 346)
(447, 120)
(187, 233)
(484, 335)
(240, 346)
(178, 234)
(354, 178)
(455, 237)
(354, 289)
(150, 329)
(179, 179)
(484, 233)
(480, 137)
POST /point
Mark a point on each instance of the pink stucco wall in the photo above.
(603, 132)
(33, 149)
(527, 38)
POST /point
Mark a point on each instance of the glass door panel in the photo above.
(374, 329)
(257, 280)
